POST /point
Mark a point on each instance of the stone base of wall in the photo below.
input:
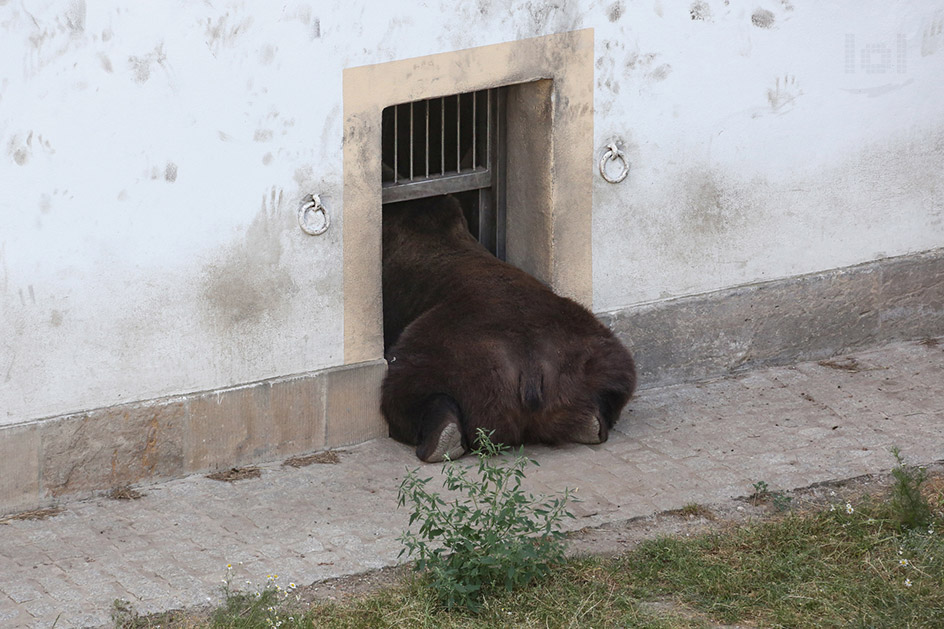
(681, 340)
(81, 453)
(802, 318)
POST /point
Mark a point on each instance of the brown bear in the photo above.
(473, 342)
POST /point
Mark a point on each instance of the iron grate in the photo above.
(450, 145)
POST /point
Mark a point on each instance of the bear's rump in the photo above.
(512, 380)
(480, 374)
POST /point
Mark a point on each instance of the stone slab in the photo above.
(79, 454)
(20, 452)
(784, 321)
(110, 447)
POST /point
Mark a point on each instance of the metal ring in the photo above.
(312, 204)
(613, 152)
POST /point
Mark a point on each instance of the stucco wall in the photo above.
(769, 139)
(153, 155)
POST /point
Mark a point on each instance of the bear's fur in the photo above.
(473, 342)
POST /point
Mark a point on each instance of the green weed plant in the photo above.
(492, 536)
(907, 501)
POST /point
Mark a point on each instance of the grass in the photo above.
(852, 565)
(875, 563)
(826, 569)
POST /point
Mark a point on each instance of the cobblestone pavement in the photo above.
(699, 443)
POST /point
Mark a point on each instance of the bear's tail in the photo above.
(531, 387)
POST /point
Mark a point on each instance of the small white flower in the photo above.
(904, 563)
(292, 586)
(907, 583)
(849, 509)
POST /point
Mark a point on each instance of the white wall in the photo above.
(153, 155)
(758, 153)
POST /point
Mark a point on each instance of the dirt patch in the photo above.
(328, 457)
(668, 608)
(35, 514)
(125, 616)
(234, 474)
(355, 586)
(933, 486)
(845, 364)
(124, 492)
(620, 537)
(692, 511)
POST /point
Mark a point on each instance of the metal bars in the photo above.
(438, 137)
(450, 145)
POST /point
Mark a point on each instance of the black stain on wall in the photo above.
(615, 11)
(762, 18)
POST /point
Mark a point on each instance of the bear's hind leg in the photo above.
(440, 430)
(588, 429)
(595, 427)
